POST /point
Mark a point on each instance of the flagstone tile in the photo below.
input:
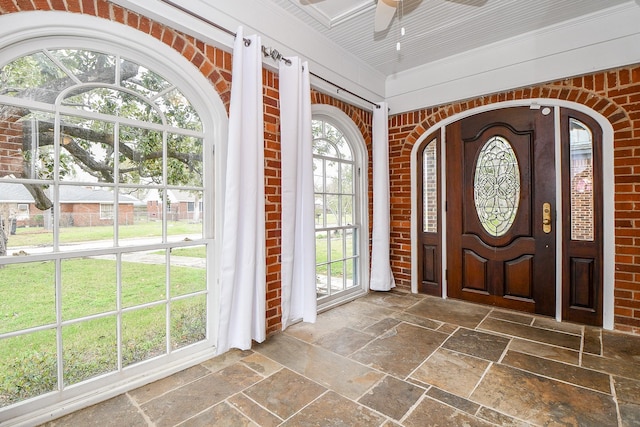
(546, 351)
(226, 359)
(543, 401)
(400, 350)
(499, 419)
(620, 346)
(285, 393)
(621, 368)
(261, 364)
(221, 414)
(334, 410)
(254, 411)
(450, 311)
(392, 397)
(511, 316)
(157, 388)
(532, 333)
(627, 390)
(193, 398)
(430, 413)
(451, 371)
(388, 300)
(419, 321)
(116, 412)
(553, 324)
(382, 326)
(592, 338)
(561, 371)
(344, 341)
(457, 402)
(478, 344)
(629, 415)
(331, 370)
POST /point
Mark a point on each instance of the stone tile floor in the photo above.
(393, 359)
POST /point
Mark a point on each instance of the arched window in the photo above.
(108, 222)
(340, 208)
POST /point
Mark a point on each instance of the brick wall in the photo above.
(616, 95)
(215, 65)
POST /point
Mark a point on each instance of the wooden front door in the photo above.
(501, 237)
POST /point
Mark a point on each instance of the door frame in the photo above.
(607, 197)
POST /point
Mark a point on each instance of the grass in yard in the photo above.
(35, 236)
(194, 251)
(28, 363)
(337, 256)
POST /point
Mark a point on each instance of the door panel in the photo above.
(582, 281)
(501, 170)
(429, 257)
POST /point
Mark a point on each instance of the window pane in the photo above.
(144, 334)
(88, 66)
(140, 159)
(184, 162)
(86, 150)
(188, 321)
(337, 244)
(89, 349)
(113, 102)
(146, 82)
(333, 210)
(430, 188)
(27, 303)
(85, 216)
(497, 186)
(19, 77)
(88, 286)
(318, 175)
(27, 229)
(348, 214)
(178, 111)
(143, 277)
(187, 272)
(28, 366)
(347, 178)
(332, 177)
(581, 157)
(139, 216)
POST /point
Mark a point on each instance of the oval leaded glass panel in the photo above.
(497, 186)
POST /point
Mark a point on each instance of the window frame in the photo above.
(23, 33)
(354, 138)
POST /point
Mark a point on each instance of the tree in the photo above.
(95, 82)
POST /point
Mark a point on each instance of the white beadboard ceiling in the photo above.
(434, 29)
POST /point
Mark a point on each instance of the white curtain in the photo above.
(381, 276)
(298, 230)
(242, 263)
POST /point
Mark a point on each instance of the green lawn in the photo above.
(36, 236)
(337, 266)
(28, 363)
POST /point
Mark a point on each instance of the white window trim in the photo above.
(351, 132)
(28, 31)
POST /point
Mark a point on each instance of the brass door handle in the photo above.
(546, 217)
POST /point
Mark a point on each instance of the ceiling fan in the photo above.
(386, 9)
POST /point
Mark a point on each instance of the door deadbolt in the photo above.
(546, 217)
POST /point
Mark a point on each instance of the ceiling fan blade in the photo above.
(385, 9)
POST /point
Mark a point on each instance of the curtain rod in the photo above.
(273, 53)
